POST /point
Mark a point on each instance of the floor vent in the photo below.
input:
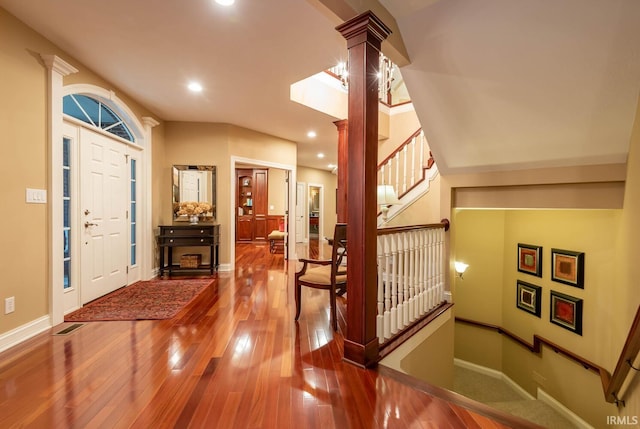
(70, 329)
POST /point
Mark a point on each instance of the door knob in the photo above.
(88, 224)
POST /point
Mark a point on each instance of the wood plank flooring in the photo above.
(234, 358)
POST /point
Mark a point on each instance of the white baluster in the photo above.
(441, 262)
(404, 172)
(397, 166)
(387, 286)
(379, 251)
(400, 274)
(406, 262)
(412, 281)
(422, 162)
(413, 160)
(394, 283)
(432, 269)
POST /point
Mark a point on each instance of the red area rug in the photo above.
(144, 300)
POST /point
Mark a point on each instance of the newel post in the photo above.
(364, 35)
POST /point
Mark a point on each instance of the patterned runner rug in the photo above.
(153, 299)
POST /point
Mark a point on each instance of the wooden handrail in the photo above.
(399, 148)
(444, 223)
(610, 384)
(430, 163)
(627, 356)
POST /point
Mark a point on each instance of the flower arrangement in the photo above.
(193, 208)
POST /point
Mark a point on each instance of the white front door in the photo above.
(300, 207)
(103, 205)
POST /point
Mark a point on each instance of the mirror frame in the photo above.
(175, 190)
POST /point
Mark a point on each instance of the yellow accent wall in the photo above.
(487, 240)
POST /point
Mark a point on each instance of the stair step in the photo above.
(498, 394)
(535, 411)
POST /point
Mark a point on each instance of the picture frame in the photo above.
(530, 259)
(529, 297)
(567, 267)
(566, 311)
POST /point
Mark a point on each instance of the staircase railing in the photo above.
(611, 384)
(386, 70)
(411, 275)
(404, 168)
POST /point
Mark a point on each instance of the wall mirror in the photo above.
(194, 192)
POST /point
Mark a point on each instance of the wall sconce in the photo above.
(461, 267)
(386, 197)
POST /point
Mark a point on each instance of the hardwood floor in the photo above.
(234, 358)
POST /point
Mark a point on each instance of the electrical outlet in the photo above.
(538, 378)
(9, 305)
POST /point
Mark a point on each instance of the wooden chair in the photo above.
(327, 274)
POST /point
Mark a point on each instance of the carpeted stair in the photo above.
(498, 394)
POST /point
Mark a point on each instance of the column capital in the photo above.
(149, 122)
(366, 27)
(57, 64)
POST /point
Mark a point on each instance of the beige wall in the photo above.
(23, 120)
(624, 279)
(329, 182)
(216, 144)
(428, 354)
(424, 210)
(277, 191)
(401, 125)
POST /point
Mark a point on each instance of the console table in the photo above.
(202, 235)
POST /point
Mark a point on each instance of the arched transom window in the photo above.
(94, 112)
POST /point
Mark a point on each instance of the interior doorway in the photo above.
(283, 189)
(315, 212)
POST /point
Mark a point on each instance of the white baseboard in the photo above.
(562, 410)
(495, 374)
(225, 267)
(24, 332)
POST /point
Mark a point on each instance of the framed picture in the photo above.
(567, 267)
(528, 297)
(566, 311)
(530, 259)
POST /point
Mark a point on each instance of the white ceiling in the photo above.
(505, 84)
(496, 83)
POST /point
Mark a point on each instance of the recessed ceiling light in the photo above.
(195, 87)
(225, 2)
(321, 155)
(311, 134)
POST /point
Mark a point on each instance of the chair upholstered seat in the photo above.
(322, 275)
(276, 240)
(329, 275)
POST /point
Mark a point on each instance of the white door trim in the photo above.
(57, 69)
(234, 160)
(321, 208)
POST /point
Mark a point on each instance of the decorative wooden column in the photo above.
(364, 35)
(342, 170)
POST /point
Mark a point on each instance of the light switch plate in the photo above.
(36, 196)
(9, 305)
